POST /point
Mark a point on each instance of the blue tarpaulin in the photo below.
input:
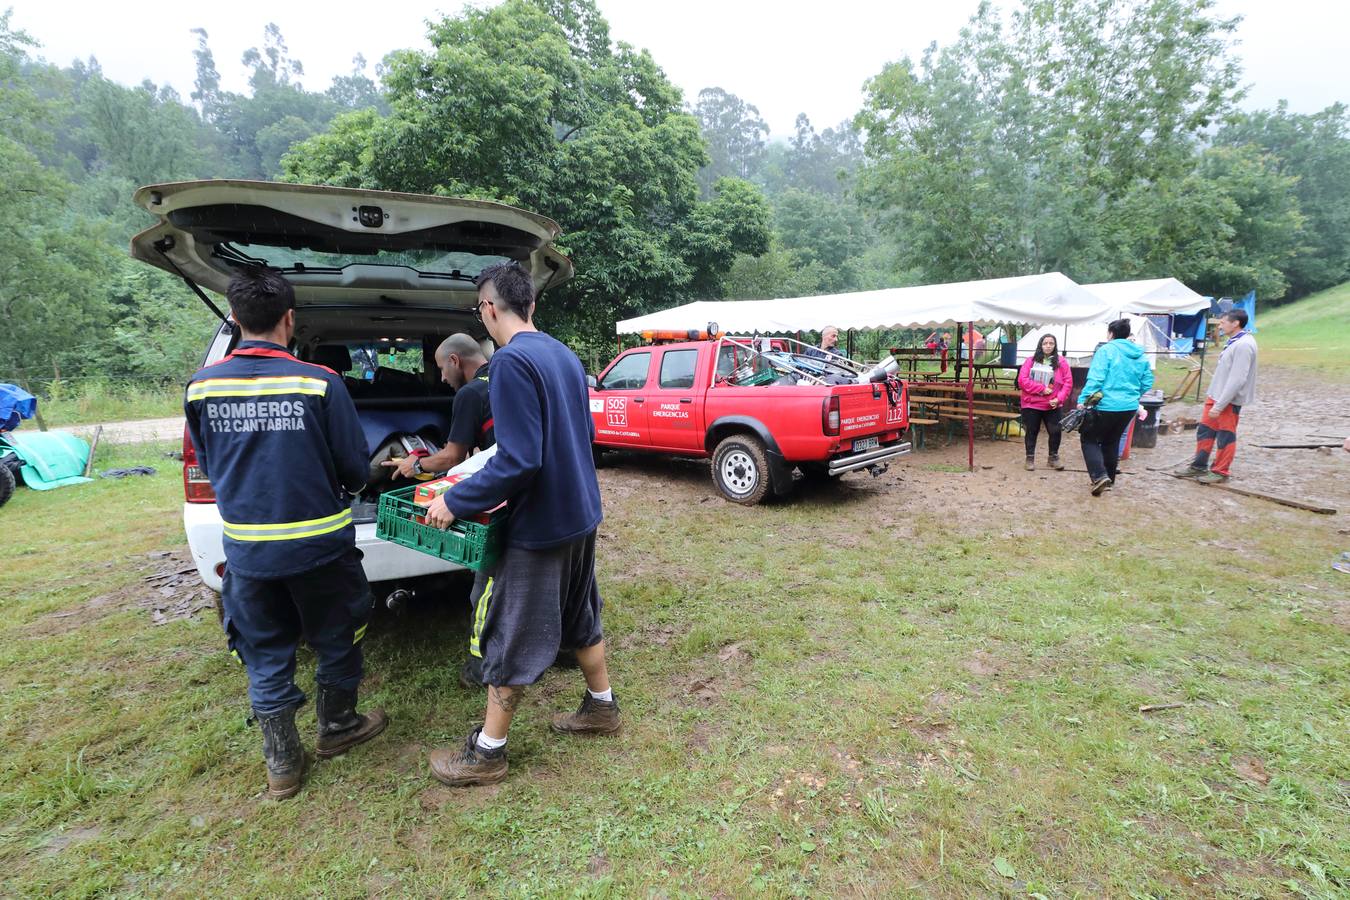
(16, 404)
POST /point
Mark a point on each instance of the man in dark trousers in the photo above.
(1232, 387)
(541, 596)
(464, 367)
(280, 442)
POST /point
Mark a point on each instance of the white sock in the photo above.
(489, 743)
(607, 694)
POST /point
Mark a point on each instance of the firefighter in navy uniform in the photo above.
(280, 442)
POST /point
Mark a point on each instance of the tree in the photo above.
(735, 135)
(1314, 150)
(531, 103)
(1015, 149)
(823, 163)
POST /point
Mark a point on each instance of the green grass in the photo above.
(1310, 333)
(96, 401)
(905, 708)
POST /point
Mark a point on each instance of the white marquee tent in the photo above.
(1028, 299)
(1150, 297)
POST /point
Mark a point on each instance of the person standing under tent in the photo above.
(1118, 377)
(829, 345)
(1045, 381)
(1232, 388)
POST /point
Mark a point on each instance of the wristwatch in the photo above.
(417, 465)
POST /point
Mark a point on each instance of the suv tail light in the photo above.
(196, 489)
(829, 416)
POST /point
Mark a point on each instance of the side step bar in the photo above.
(870, 458)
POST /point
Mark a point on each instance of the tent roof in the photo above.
(1153, 296)
(1029, 299)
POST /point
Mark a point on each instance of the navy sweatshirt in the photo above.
(544, 467)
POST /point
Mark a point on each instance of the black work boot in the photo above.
(592, 717)
(470, 766)
(284, 755)
(341, 727)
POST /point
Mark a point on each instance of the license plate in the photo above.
(866, 443)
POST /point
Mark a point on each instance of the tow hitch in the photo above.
(878, 469)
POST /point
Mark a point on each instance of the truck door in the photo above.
(675, 406)
(619, 402)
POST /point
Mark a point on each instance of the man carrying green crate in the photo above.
(541, 595)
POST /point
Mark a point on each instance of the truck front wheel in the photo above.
(740, 469)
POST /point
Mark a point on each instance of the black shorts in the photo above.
(533, 604)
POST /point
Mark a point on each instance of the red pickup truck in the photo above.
(684, 399)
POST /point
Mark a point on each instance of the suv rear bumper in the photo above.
(383, 561)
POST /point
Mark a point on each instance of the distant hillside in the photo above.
(1312, 333)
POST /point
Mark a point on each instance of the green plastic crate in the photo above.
(763, 376)
(471, 544)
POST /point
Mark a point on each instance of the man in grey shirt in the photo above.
(1233, 387)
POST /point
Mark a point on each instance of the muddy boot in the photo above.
(1031, 464)
(341, 727)
(284, 755)
(1188, 471)
(1055, 463)
(592, 717)
(1100, 485)
(469, 766)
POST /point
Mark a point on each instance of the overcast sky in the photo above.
(785, 57)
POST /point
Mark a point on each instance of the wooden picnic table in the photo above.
(986, 374)
(953, 388)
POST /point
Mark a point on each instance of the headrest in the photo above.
(334, 356)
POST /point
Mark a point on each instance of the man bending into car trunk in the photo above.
(541, 596)
(280, 441)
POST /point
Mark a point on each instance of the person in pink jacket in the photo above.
(1045, 381)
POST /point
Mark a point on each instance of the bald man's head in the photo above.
(458, 357)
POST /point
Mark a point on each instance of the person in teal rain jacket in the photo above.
(1119, 376)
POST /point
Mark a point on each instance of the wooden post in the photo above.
(37, 407)
(93, 448)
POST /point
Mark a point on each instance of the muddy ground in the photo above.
(999, 496)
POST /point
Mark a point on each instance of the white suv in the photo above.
(380, 280)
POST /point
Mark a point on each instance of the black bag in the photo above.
(1082, 418)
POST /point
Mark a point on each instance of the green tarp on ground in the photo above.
(52, 459)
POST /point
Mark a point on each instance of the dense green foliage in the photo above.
(531, 103)
(75, 147)
(1093, 137)
(1076, 137)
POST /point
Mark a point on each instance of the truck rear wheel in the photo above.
(6, 483)
(740, 469)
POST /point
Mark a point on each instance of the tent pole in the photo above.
(960, 338)
(1203, 347)
(970, 400)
